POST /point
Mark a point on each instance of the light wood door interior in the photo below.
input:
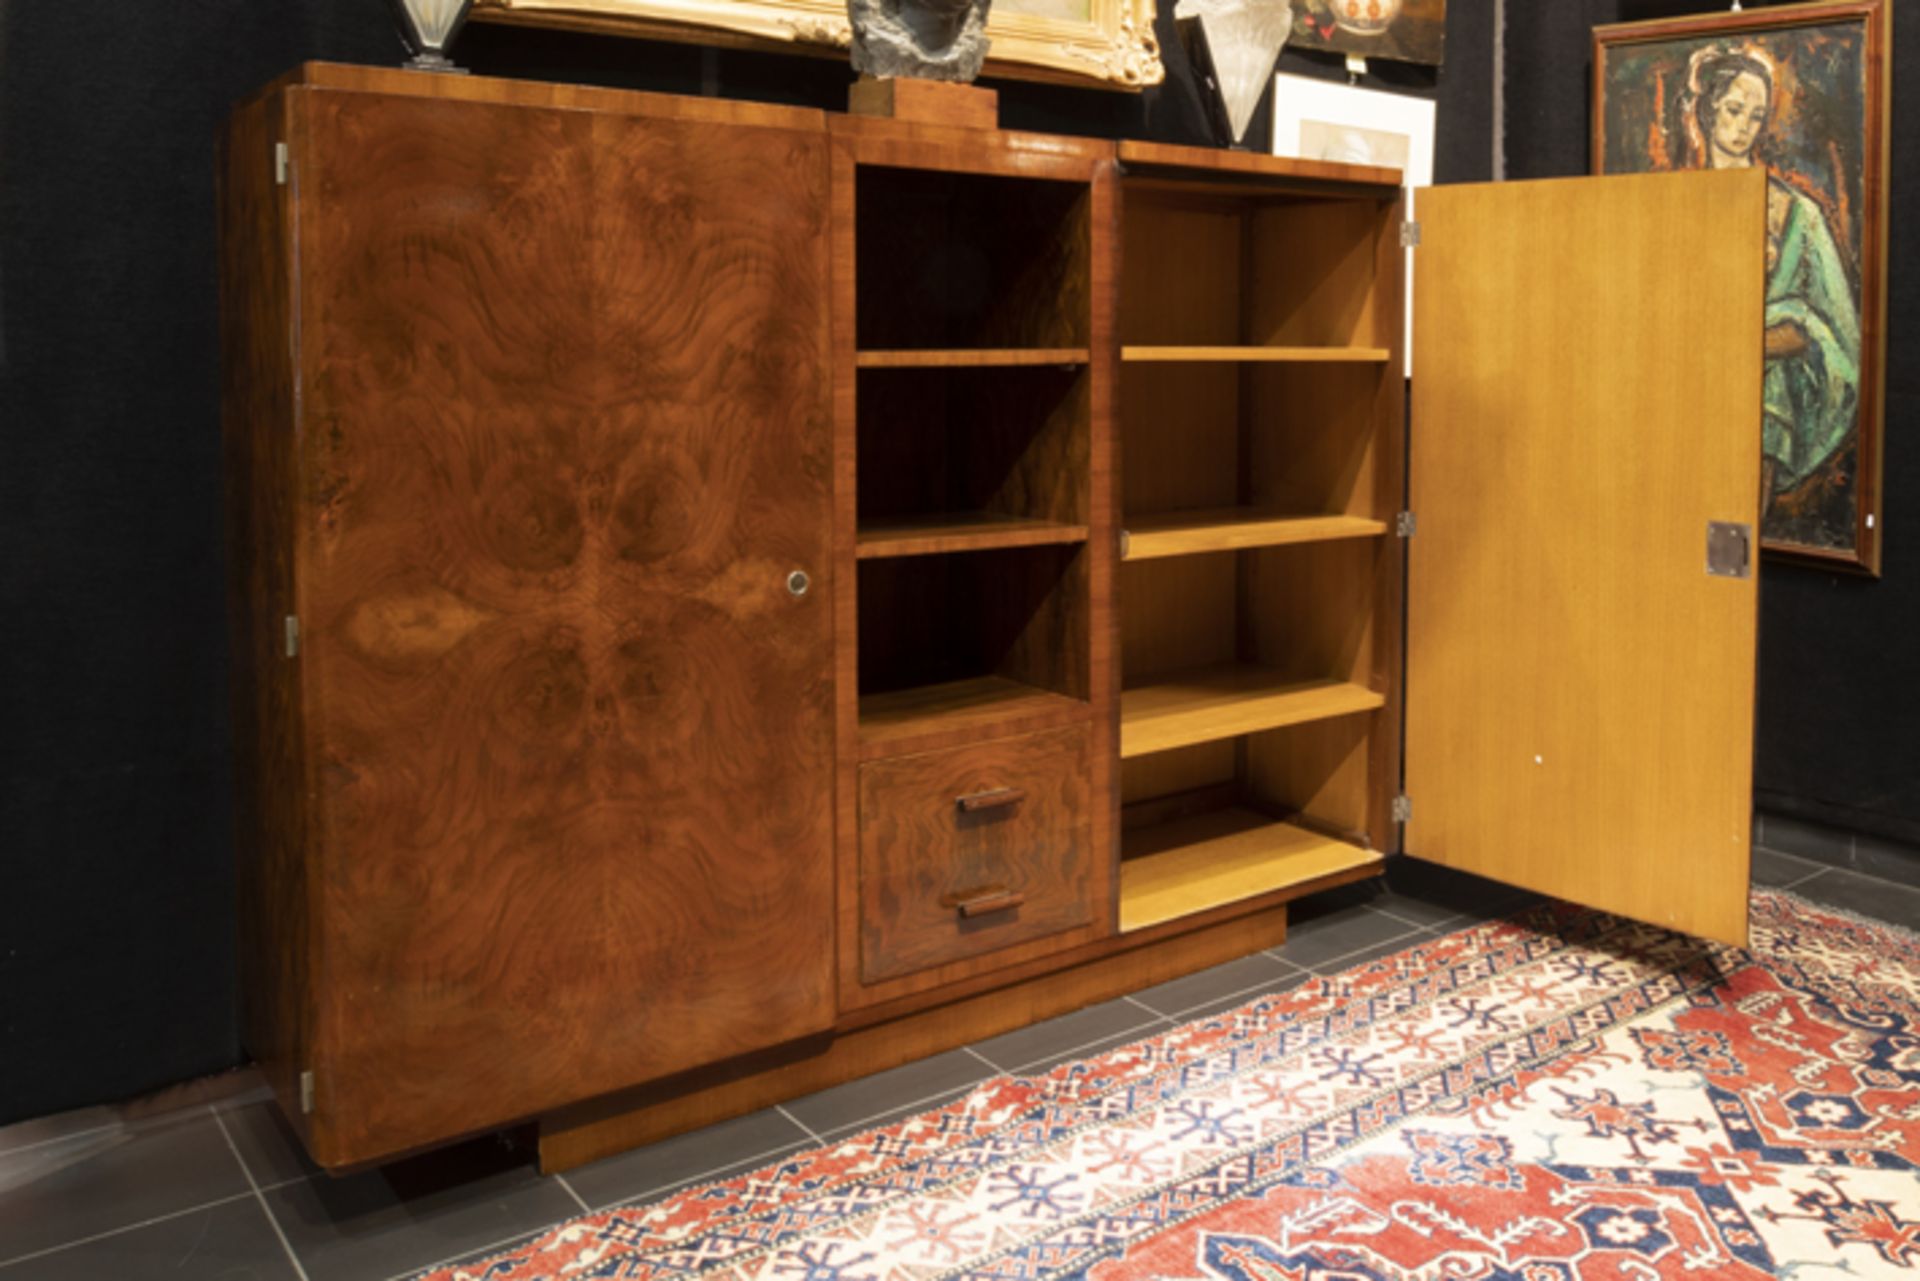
(1257, 366)
(1579, 689)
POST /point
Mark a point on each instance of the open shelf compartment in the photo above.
(973, 358)
(951, 262)
(1226, 856)
(1261, 276)
(1255, 727)
(969, 459)
(968, 642)
(1226, 701)
(1262, 817)
(1223, 354)
(1221, 529)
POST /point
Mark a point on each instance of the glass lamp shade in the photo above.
(428, 26)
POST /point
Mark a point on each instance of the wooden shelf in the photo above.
(1227, 856)
(960, 708)
(1194, 355)
(1230, 528)
(958, 532)
(970, 357)
(1226, 701)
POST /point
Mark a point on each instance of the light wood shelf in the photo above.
(1198, 355)
(1230, 528)
(889, 721)
(1226, 701)
(970, 357)
(1226, 856)
(958, 532)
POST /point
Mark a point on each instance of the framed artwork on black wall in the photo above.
(1801, 90)
(1103, 43)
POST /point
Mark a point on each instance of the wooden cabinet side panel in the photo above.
(258, 428)
(568, 440)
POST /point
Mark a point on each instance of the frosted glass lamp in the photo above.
(428, 26)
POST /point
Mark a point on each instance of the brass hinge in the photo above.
(1410, 234)
(1404, 524)
(293, 636)
(1126, 544)
(1402, 809)
(306, 1093)
(280, 164)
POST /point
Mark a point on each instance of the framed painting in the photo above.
(1398, 30)
(1803, 91)
(1321, 120)
(1107, 43)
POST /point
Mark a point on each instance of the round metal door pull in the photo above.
(798, 582)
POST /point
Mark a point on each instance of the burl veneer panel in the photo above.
(970, 850)
(565, 437)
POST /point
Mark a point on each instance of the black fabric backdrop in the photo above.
(117, 970)
(1838, 736)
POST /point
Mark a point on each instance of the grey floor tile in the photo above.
(1829, 845)
(229, 1241)
(270, 1149)
(1314, 943)
(101, 1180)
(259, 1092)
(1178, 998)
(1781, 870)
(858, 1104)
(1368, 954)
(699, 1156)
(1429, 894)
(1335, 901)
(1097, 1048)
(1420, 911)
(1286, 982)
(413, 1213)
(1050, 1041)
(897, 1114)
(61, 1125)
(1889, 860)
(765, 1160)
(1865, 895)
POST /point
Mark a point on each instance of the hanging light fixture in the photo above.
(428, 26)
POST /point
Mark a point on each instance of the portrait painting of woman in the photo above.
(1798, 92)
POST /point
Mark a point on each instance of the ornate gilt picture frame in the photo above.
(1099, 42)
(1803, 91)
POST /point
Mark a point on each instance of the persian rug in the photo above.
(1561, 1095)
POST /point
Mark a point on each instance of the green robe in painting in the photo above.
(1811, 399)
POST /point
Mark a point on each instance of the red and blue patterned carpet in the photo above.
(1563, 1095)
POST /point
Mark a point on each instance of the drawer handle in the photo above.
(998, 798)
(995, 898)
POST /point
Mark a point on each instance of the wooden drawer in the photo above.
(973, 849)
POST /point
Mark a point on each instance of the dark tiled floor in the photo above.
(222, 1191)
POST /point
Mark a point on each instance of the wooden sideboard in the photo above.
(728, 598)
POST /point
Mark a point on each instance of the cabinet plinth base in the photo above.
(602, 1127)
(926, 101)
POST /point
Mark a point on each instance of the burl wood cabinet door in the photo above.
(564, 440)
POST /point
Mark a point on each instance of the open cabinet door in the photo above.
(1586, 406)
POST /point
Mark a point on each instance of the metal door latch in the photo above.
(1729, 549)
